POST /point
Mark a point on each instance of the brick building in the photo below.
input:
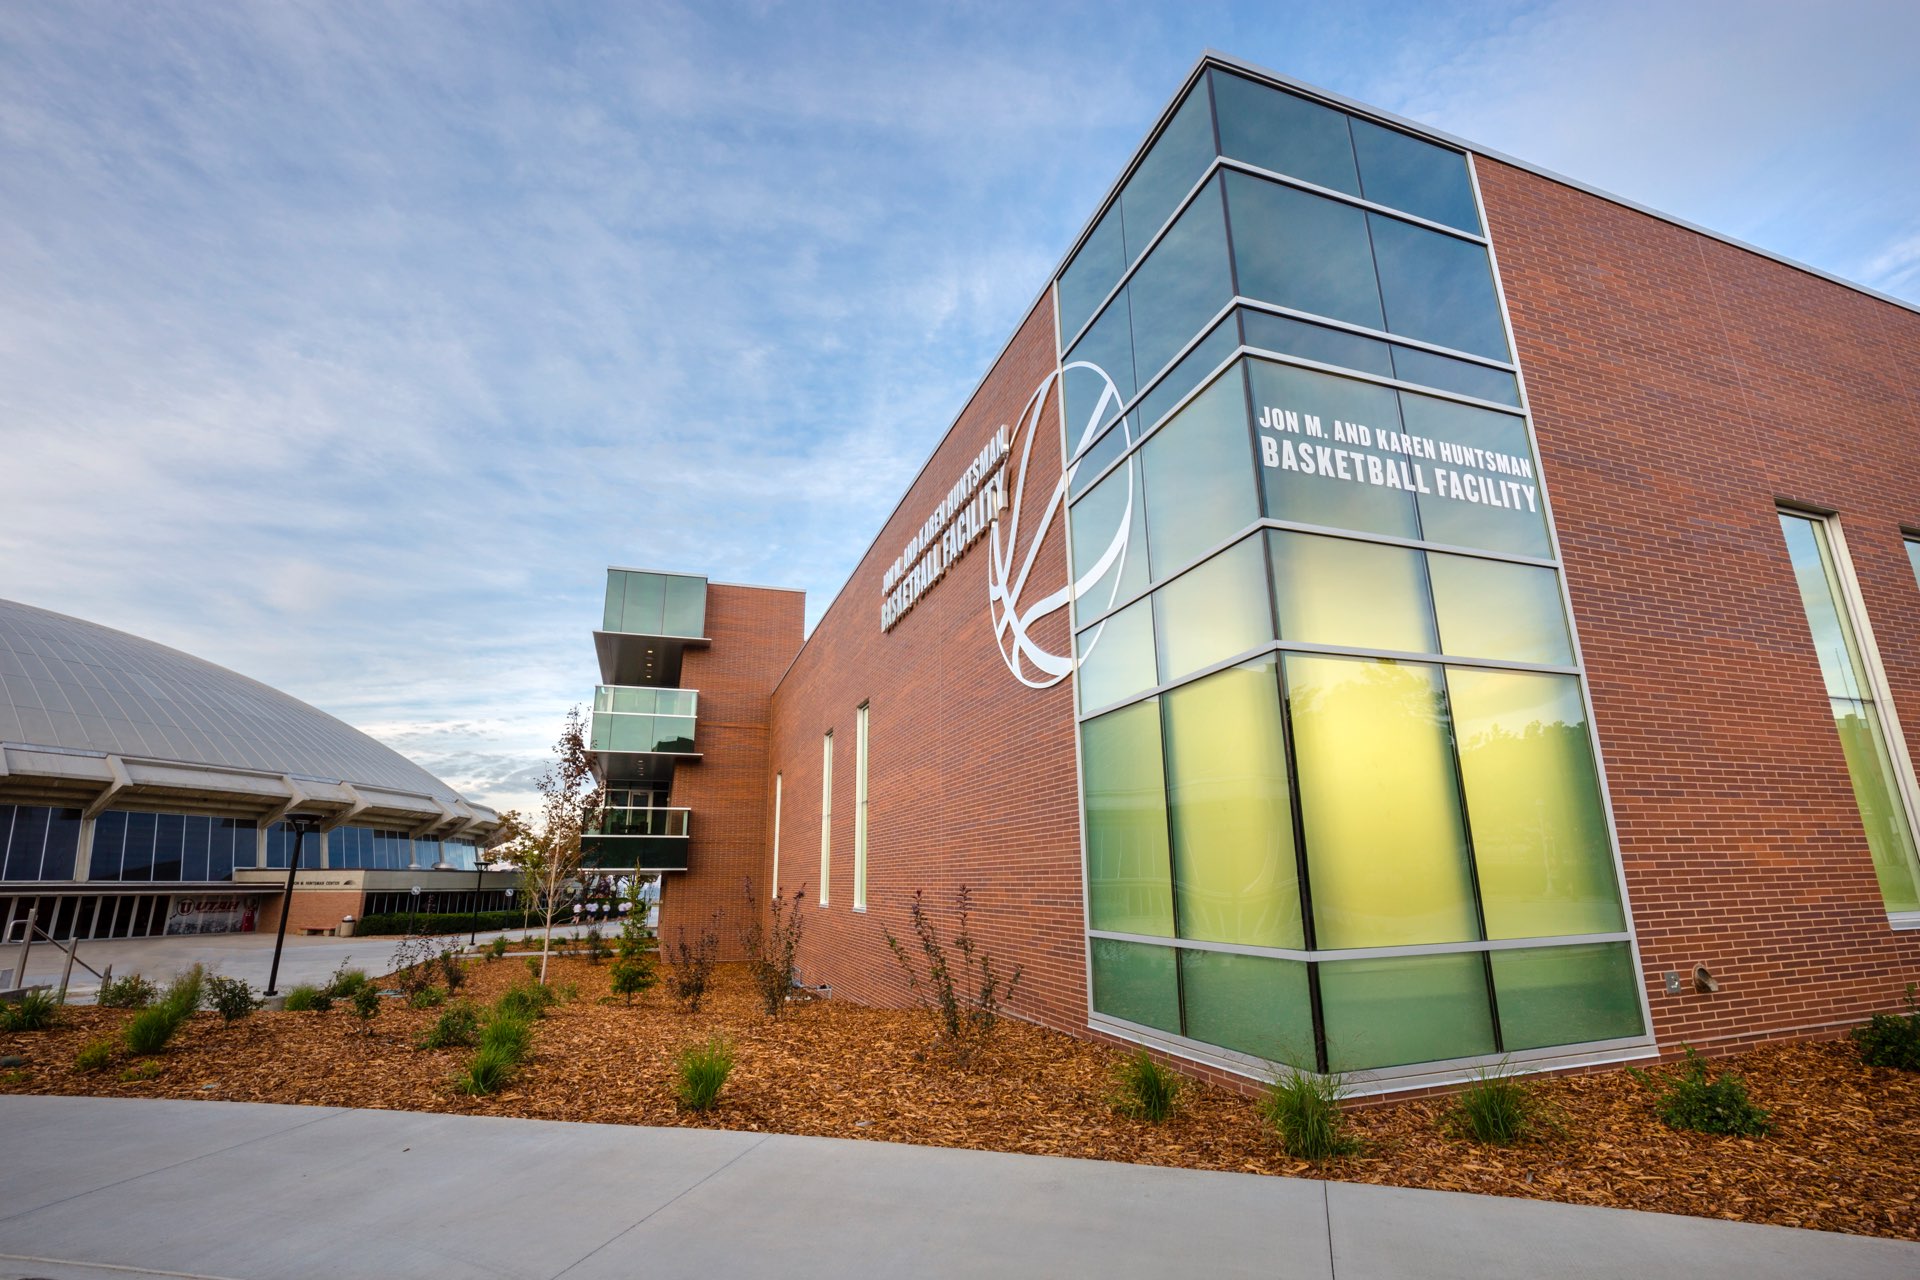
(1388, 608)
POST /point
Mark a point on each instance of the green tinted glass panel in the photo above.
(1302, 251)
(1129, 884)
(1284, 132)
(1437, 288)
(1137, 982)
(1200, 476)
(1250, 1004)
(1092, 273)
(1167, 172)
(1096, 457)
(1566, 995)
(1109, 532)
(1533, 802)
(686, 607)
(1386, 851)
(1390, 1012)
(1205, 357)
(1088, 399)
(1365, 595)
(1881, 813)
(1213, 611)
(1180, 285)
(1481, 485)
(1234, 874)
(1403, 172)
(1913, 558)
(1493, 609)
(1820, 595)
(1316, 342)
(616, 601)
(1323, 451)
(646, 598)
(1461, 377)
(1116, 657)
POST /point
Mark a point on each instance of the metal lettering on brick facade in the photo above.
(971, 505)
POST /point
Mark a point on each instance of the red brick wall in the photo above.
(1680, 387)
(312, 909)
(755, 633)
(972, 773)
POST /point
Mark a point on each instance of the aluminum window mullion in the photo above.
(1368, 953)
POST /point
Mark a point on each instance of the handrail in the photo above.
(32, 923)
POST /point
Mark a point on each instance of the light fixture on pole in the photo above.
(301, 826)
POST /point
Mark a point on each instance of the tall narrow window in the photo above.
(1842, 641)
(775, 877)
(860, 810)
(826, 812)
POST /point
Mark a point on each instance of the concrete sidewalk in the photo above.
(98, 1187)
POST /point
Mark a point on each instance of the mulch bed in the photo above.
(1844, 1154)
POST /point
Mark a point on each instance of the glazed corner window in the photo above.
(860, 810)
(826, 812)
(1843, 644)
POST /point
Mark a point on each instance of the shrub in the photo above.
(94, 1055)
(632, 975)
(964, 1000)
(1500, 1108)
(597, 948)
(148, 1031)
(427, 998)
(1304, 1109)
(533, 966)
(771, 947)
(452, 968)
(691, 967)
(458, 1024)
(148, 1070)
(307, 998)
(496, 949)
(1145, 1089)
(1695, 1099)
(366, 1006)
(417, 961)
(489, 1070)
(186, 992)
(231, 998)
(699, 1072)
(345, 982)
(34, 1011)
(529, 1000)
(434, 923)
(1891, 1040)
(130, 992)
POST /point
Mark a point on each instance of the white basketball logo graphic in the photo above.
(1018, 534)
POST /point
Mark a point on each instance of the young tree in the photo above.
(549, 856)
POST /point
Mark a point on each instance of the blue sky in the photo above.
(345, 345)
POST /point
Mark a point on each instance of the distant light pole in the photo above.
(301, 826)
(479, 878)
(413, 898)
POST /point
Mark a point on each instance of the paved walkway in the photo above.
(113, 1187)
(237, 955)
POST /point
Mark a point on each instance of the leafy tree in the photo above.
(549, 855)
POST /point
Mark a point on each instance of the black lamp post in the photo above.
(301, 826)
(479, 878)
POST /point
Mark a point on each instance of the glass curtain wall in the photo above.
(1342, 807)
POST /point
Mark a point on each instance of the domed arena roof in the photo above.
(70, 687)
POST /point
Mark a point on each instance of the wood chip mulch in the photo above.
(1844, 1154)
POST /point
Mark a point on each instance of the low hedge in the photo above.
(437, 922)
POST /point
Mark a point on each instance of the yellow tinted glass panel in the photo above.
(1234, 874)
(1213, 611)
(1386, 851)
(1129, 886)
(1533, 801)
(1491, 609)
(1363, 594)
